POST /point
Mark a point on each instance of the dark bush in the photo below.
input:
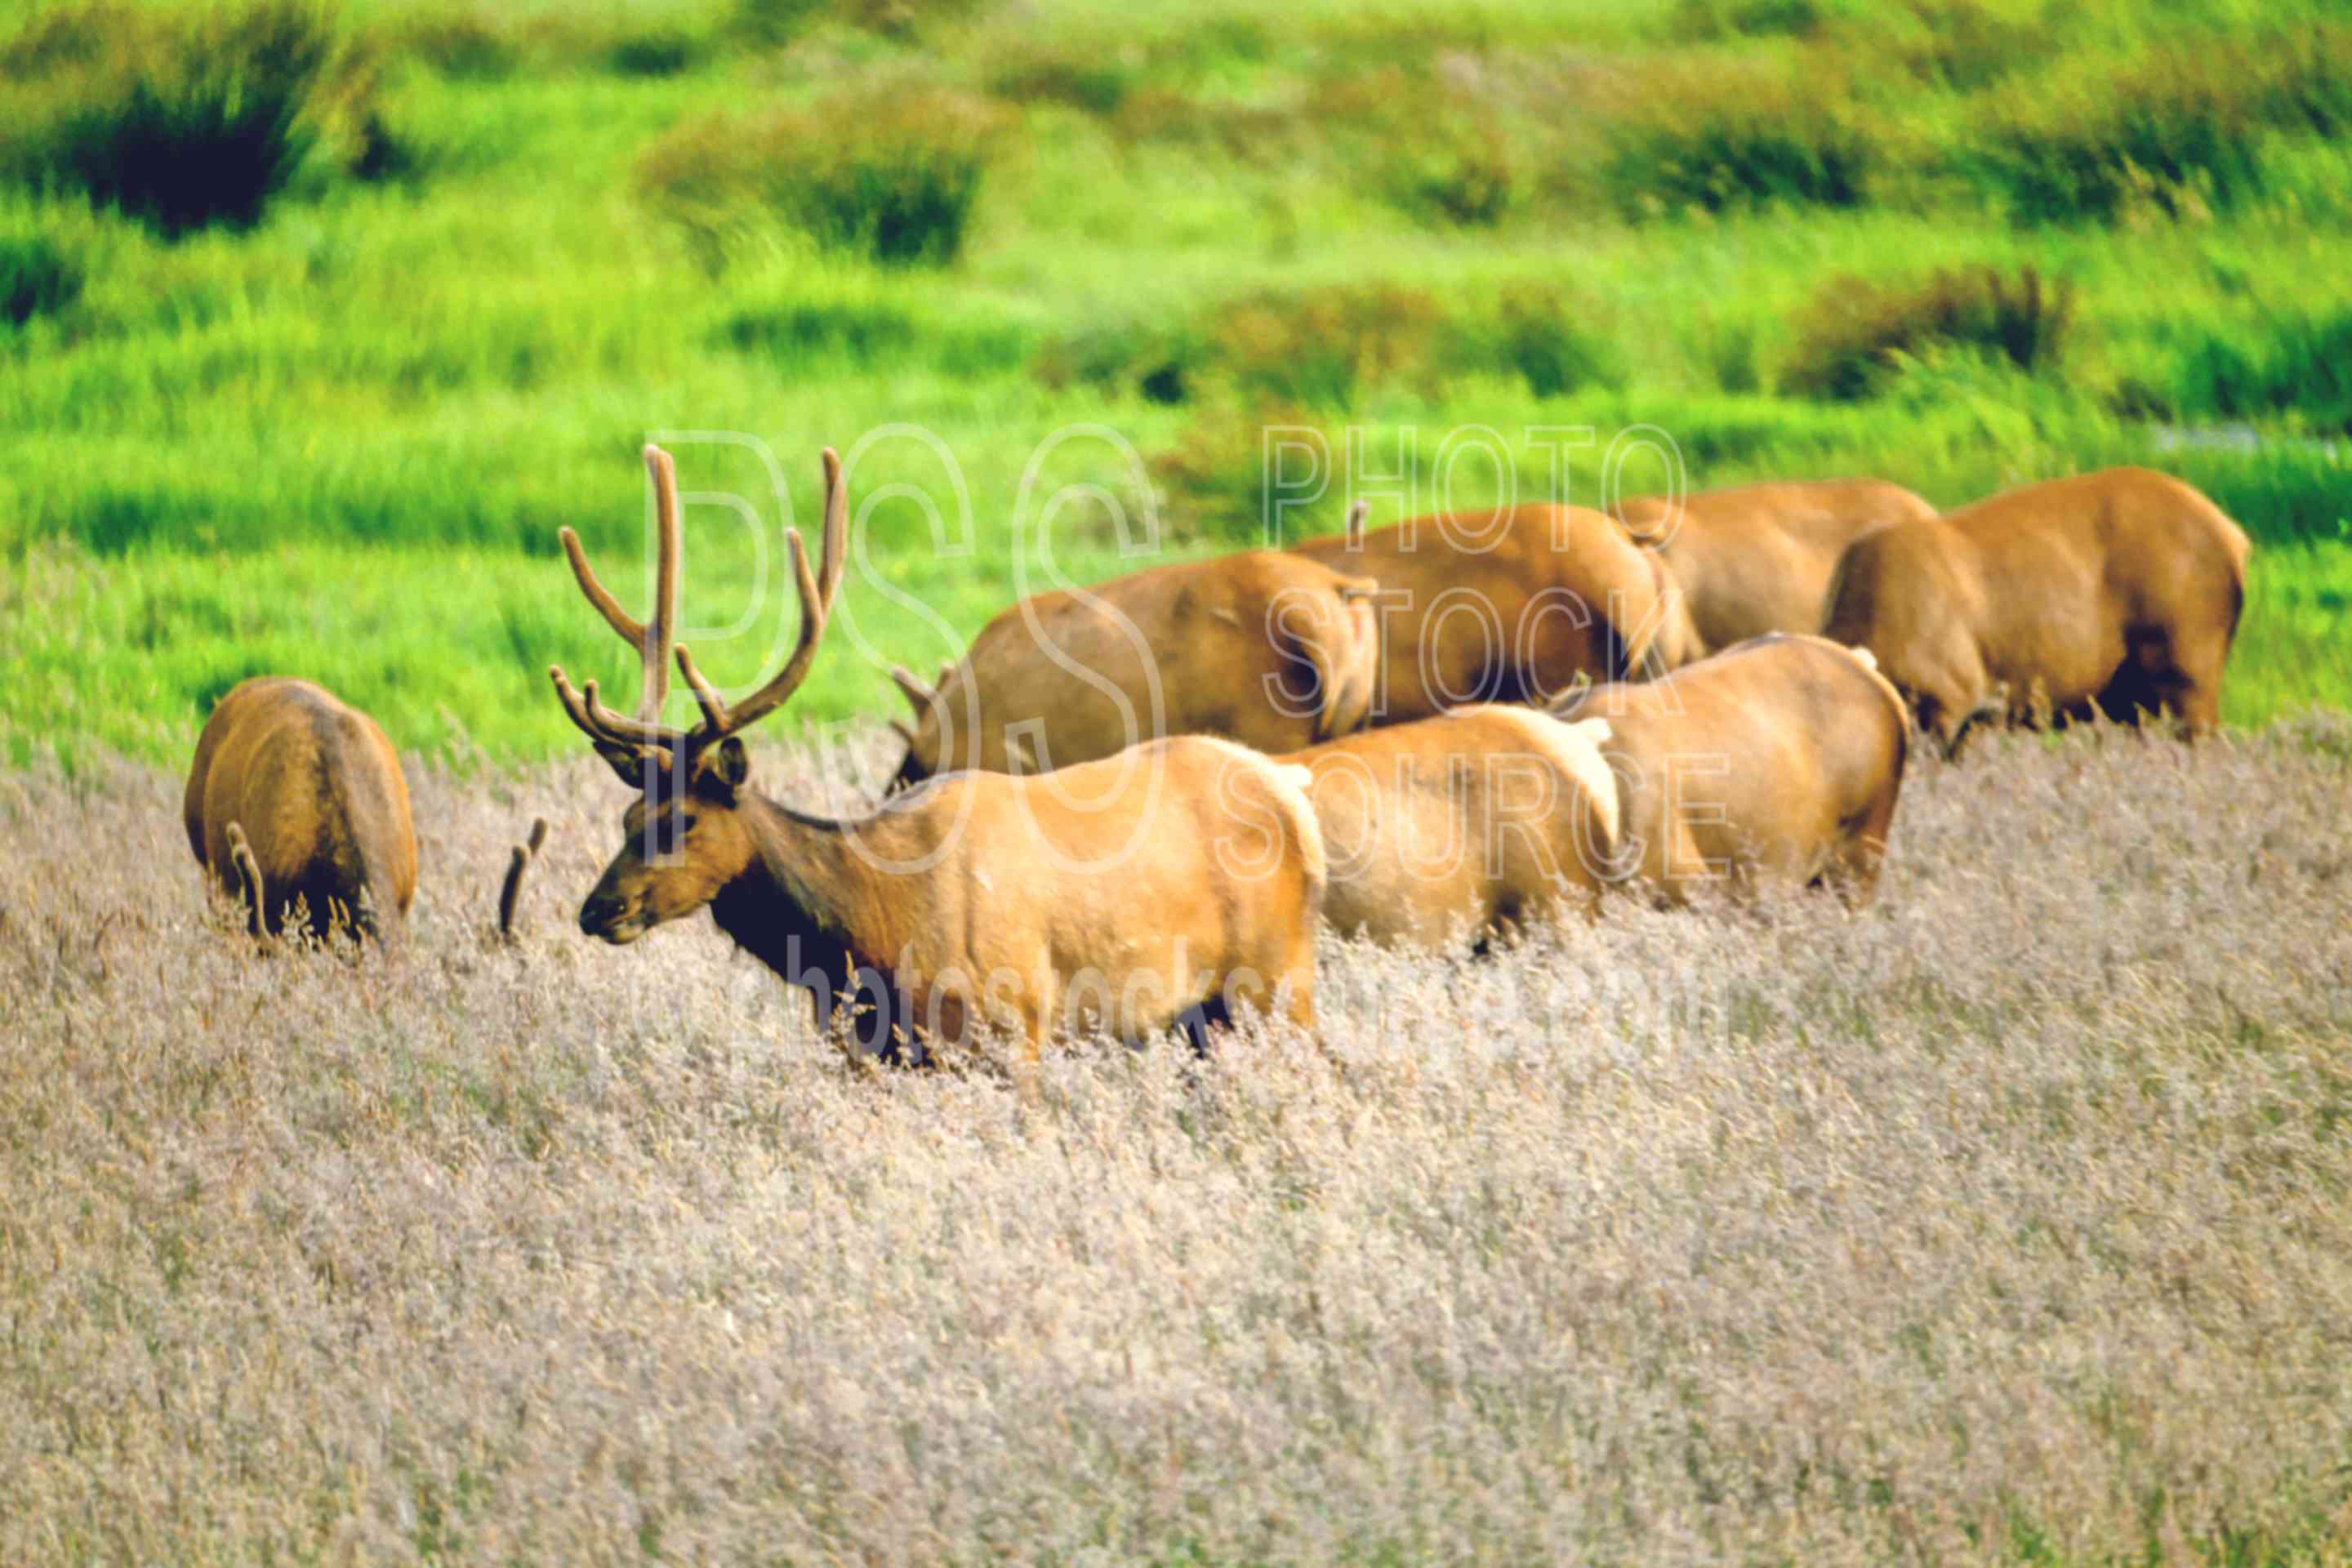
(1719, 140)
(2303, 368)
(1847, 339)
(1537, 334)
(659, 52)
(892, 174)
(2172, 137)
(1700, 19)
(179, 124)
(36, 277)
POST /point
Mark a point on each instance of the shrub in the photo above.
(1320, 347)
(1326, 347)
(863, 335)
(1157, 361)
(1715, 140)
(2178, 133)
(1092, 79)
(1708, 19)
(891, 175)
(179, 124)
(657, 52)
(2305, 368)
(1215, 475)
(36, 277)
(466, 45)
(2171, 135)
(1433, 146)
(1537, 335)
(1847, 339)
(780, 21)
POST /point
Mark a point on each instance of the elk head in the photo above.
(686, 835)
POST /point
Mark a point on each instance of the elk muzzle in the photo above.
(613, 916)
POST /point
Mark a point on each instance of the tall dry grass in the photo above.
(2006, 1217)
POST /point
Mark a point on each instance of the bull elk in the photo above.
(1476, 822)
(293, 794)
(2116, 593)
(1760, 558)
(1517, 604)
(1164, 887)
(1778, 760)
(1260, 647)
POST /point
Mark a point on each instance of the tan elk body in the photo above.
(1760, 558)
(1165, 886)
(1477, 821)
(1520, 604)
(313, 788)
(1778, 760)
(1260, 647)
(2120, 589)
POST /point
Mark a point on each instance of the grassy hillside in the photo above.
(327, 419)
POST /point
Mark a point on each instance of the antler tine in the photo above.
(917, 694)
(599, 723)
(654, 648)
(817, 589)
(651, 640)
(1355, 529)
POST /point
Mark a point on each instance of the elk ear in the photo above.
(727, 766)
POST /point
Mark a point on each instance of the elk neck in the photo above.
(805, 897)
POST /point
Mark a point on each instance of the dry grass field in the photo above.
(2006, 1219)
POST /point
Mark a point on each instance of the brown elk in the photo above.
(295, 794)
(2117, 592)
(1516, 604)
(1160, 888)
(1259, 648)
(1778, 760)
(1759, 558)
(1480, 820)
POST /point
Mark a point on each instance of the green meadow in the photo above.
(1047, 273)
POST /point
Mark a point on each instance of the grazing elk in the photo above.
(1160, 888)
(1259, 648)
(1759, 558)
(1517, 604)
(1482, 819)
(295, 794)
(1777, 760)
(2117, 591)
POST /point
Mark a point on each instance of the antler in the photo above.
(817, 589)
(651, 638)
(1354, 531)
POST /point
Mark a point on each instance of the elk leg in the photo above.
(1193, 1023)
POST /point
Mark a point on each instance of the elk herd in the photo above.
(1129, 808)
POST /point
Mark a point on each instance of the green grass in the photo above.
(340, 443)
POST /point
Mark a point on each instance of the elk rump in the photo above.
(1776, 760)
(314, 788)
(1760, 558)
(2118, 592)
